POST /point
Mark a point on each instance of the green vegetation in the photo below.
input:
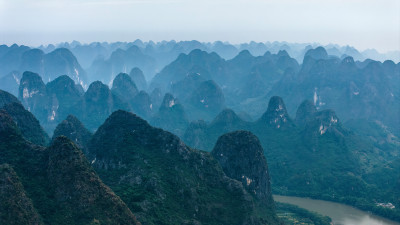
(291, 214)
(338, 165)
(165, 182)
(59, 182)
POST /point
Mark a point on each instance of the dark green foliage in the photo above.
(171, 116)
(320, 158)
(79, 192)
(59, 181)
(276, 115)
(96, 105)
(164, 181)
(72, 128)
(27, 124)
(305, 112)
(63, 94)
(6, 98)
(196, 135)
(15, 207)
(183, 88)
(143, 105)
(206, 101)
(124, 87)
(242, 158)
(354, 92)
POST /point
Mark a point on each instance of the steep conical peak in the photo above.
(122, 80)
(131, 120)
(122, 124)
(208, 95)
(156, 95)
(64, 87)
(63, 51)
(96, 89)
(242, 158)
(63, 94)
(171, 116)
(159, 165)
(72, 128)
(62, 61)
(143, 105)
(31, 84)
(15, 206)
(138, 78)
(227, 116)
(77, 186)
(282, 53)
(244, 54)
(62, 82)
(168, 101)
(197, 53)
(6, 98)
(305, 112)
(124, 87)
(27, 123)
(318, 53)
(326, 119)
(348, 60)
(276, 114)
(32, 55)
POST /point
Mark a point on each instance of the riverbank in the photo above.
(339, 213)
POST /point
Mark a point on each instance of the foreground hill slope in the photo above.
(165, 182)
(59, 186)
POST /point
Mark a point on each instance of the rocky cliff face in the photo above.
(276, 115)
(242, 158)
(33, 95)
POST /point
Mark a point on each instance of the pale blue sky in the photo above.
(360, 23)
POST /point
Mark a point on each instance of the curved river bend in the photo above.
(341, 214)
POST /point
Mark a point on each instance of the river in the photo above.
(341, 214)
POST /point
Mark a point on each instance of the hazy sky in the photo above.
(360, 23)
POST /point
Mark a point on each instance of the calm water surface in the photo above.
(341, 214)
